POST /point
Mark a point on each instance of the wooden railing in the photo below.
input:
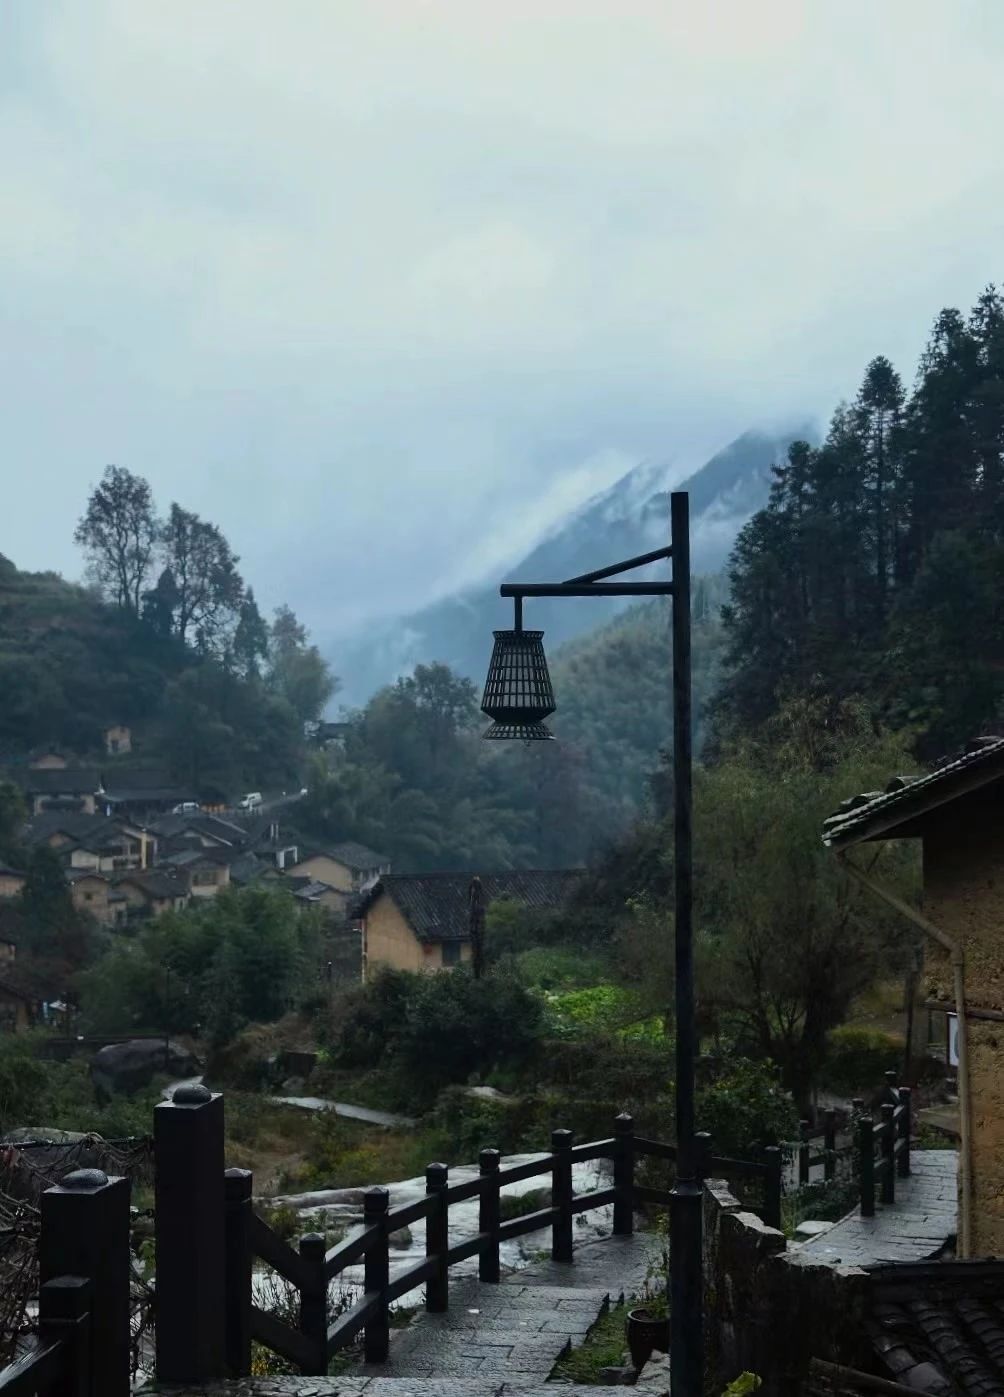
(884, 1146)
(58, 1362)
(209, 1240)
(311, 1269)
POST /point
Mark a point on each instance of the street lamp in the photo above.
(518, 697)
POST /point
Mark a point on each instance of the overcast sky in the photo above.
(383, 286)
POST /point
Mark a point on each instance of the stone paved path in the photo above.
(494, 1341)
(516, 1331)
(914, 1228)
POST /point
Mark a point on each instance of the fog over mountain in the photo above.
(629, 518)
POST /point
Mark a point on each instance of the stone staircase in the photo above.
(494, 1339)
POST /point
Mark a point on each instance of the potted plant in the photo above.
(647, 1329)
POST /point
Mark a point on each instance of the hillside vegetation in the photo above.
(211, 690)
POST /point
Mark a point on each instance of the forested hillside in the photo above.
(413, 777)
(876, 569)
(167, 639)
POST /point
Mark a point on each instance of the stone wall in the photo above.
(767, 1311)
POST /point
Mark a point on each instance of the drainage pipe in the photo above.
(959, 993)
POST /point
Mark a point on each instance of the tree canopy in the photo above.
(876, 567)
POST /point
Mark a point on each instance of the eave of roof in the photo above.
(878, 814)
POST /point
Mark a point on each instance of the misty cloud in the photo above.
(385, 287)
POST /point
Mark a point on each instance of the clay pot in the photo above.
(646, 1332)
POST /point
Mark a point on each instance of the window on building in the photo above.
(451, 952)
(204, 877)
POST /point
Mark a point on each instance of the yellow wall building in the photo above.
(420, 921)
(957, 812)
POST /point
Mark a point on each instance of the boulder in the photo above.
(128, 1067)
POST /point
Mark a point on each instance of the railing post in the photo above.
(888, 1152)
(774, 1160)
(561, 1195)
(64, 1315)
(905, 1130)
(376, 1275)
(237, 1308)
(866, 1165)
(830, 1145)
(890, 1082)
(85, 1233)
(489, 1216)
(702, 1155)
(437, 1239)
(803, 1152)
(624, 1175)
(190, 1230)
(314, 1302)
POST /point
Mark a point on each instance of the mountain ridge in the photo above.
(628, 518)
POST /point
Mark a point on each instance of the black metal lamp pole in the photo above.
(518, 695)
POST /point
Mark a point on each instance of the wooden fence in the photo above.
(209, 1239)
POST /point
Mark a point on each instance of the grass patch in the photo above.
(604, 1346)
(518, 1205)
(342, 1153)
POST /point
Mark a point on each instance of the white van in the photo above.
(187, 807)
(251, 800)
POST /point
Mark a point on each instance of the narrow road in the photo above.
(318, 1103)
(343, 1108)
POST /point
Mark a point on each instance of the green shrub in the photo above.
(857, 1058)
(744, 1106)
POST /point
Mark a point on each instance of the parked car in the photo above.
(251, 800)
(187, 807)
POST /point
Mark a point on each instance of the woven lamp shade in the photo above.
(518, 693)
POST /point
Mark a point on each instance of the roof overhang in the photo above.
(900, 811)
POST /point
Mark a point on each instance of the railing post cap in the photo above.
(888, 1108)
(84, 1180)
(561, 1139)
(311, 1239)
(624, 1123)
(375, 1199)
(436, 1172)
(488, 1160)
(237, 1183)
(191, 1094)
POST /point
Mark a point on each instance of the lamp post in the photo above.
(518, 697)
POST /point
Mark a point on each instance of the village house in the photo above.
(59, 788)
(11, 880)
(349, 867)
(207, 869)
(94, 893)
(94, 841)
(150, 894)
(118, 740)
(957, 813)
(420, 921)
(142, 794)
(48, 759)
(308, 892)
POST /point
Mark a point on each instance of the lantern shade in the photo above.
(518, 693)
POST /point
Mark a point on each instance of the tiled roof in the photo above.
(7, 872)
(188, 858)
(71, 780)
(311, 890)
(156, 882)
(939, 1327)
(356, 856)
(435, 904)
(873, 813)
